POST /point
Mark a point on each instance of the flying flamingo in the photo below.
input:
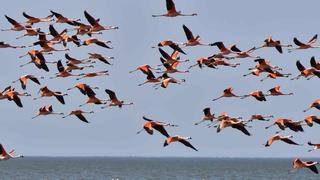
(307, 73)
(315, 104)
(301, 45)
(220, 62)
(6, 156)
(191, 40)
(100, 57)
(62, 19)
(264, 65)
(16, 26)
(58, 37)
(227, 93)
(297, 163)
(98, 42)
(92, 99)
(234, 124)
(166, 80)
(63, 72)
(269, 42)
(172, 12)
(96, 27)
(258, 95)
(38, 59)
(72, 60)
(222, 48)
(66, 38)
(31, 32)
(280, 122)
(260, 117)
(63, 37)
(204, 61)
(255, 72)
(180, 139)
(46, 110)
(32, 20)
(283, 123)
(46, 92)
(315, 146)
(294, 126)
(79, 113)
(93, 74)
(151, 78)
(6, 45)
(83, 29)
(207, 116)
(171, 68)
(43, 41)
(48, 46)
(157, 125)
(171, 58)
(276, 92)
(171, 44)
(13, 95)
(225, 116)
(220, 56)
(114, 100)
(243, 54)
(310, 119)
(71, 67)
(278, 137)
(275, 74)
(145, 68)
(23, 80)
(83, 88)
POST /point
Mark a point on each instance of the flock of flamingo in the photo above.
(170, 63)
(37, 57)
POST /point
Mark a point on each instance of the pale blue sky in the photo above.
(112, 131)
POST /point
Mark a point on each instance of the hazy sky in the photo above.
(112, 131)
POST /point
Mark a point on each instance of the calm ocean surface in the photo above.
(150, 168)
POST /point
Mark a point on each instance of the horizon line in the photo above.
(159, 157)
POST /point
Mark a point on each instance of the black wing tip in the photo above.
(279, 49)
(165, 144)
(314, 169)
(60, 99)
(145, 118)
(9, 18)
(53, 12)
(108, 91)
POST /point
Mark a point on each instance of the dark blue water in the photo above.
(150, 168)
